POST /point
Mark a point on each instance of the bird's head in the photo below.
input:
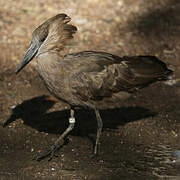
(51, 35)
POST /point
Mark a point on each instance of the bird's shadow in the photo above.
(34, 114)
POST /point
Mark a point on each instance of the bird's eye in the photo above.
(42, 39)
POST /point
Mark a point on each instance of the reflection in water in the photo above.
(139, 162)
(162, 161)
(177, 154)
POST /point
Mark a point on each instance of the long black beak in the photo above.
(30, 54)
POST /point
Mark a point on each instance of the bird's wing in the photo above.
(112, 76)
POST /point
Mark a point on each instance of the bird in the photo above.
(83, 79)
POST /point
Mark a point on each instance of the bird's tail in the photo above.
(170, 79)
(172, 82)
(168, 75)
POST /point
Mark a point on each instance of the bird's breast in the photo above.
(56, 79)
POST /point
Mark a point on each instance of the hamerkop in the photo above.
(82, 79)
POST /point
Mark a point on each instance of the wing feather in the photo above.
(126, 74)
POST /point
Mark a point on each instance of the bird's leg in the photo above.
(99, 130)
(58, 142)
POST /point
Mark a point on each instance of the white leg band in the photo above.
(71, 120)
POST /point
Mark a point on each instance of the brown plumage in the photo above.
(82, 79)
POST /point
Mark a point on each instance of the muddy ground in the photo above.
(141, 136)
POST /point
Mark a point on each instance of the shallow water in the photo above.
(159, 162)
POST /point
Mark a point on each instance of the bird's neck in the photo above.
(49, 56)
(48, 61)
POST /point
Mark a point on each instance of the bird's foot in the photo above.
(94, 156)
(95, 153)
(50, 153)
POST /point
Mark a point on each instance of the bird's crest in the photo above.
(54, 33)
